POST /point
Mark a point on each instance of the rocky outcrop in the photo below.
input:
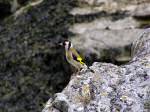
(106, 22)
(110, 88)
(142, 10)
(9, 7)
(32, 67)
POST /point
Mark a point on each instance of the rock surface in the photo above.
(142, 10)
(104, 22)
(110, 88)
(32, 67)
(9, 7)
(102, 43)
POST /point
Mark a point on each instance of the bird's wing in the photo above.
(76, 55)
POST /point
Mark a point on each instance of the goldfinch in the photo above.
(72, 56)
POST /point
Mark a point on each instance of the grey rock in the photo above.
(100, 2)
(105, 24)
(16, 4)
(111, 88)
(142, 10)
(29, 70)
(106, 36)
(110, 6)
(92, 41)
(60, 102)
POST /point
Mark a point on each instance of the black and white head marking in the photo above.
(67, 45)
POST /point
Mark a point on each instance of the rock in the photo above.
(110, 6)
(100, 2)
(105, 43)
(30, 59)
(26, 7)
(142, 11)
(105, 23)
(112, 88)
(61, 103)
(99, 23)
(83, 11)
(96, 9)
(93, 6)
(9, 7)
(33, 67)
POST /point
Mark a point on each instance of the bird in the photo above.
(72, 56)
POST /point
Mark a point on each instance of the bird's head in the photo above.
(67, 44)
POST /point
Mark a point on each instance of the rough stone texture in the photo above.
(32, 67)
(106, 22)
(142, 10)
(14, 4)
(101, 2)
(111, 88)
(100, 41)
(93, 6)
(8, 7)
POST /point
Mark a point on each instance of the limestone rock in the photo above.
(111, 87)
(102, 27)
(32, 67)
(142, 10)
(110, 6)
(99, 41)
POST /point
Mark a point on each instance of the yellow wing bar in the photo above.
(80, 60)
(77, 55)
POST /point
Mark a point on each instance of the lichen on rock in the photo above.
(110, 88)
